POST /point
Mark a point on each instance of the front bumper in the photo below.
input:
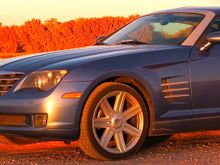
(63, 115)
(41, 133)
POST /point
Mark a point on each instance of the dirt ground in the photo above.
(190, 148)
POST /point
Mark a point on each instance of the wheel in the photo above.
(114, 122)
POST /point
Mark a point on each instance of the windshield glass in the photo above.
(158, 29)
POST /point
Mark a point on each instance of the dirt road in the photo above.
(191, 148)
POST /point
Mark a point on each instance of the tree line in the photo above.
(36, 36)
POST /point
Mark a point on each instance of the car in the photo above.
(158, 75)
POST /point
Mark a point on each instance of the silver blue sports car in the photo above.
(158, 75)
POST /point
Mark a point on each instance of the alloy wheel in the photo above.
(118, 122)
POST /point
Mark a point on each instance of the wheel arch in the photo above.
(131, 81)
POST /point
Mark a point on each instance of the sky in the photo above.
(16, 12)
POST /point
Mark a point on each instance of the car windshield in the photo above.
(157, 29)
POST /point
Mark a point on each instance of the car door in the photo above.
(205, 81)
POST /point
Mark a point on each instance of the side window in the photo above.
(169, 33)
(213, 27)
(174, 32)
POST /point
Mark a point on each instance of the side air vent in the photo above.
(175, 90)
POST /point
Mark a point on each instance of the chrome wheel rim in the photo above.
(118, 122)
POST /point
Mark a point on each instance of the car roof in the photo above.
(216, 10)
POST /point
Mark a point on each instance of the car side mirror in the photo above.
(212, 38)
(99, 39)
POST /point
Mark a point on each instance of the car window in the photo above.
(171, 28)
(172, 33)
(213, 27)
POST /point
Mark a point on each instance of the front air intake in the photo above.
(7, 80)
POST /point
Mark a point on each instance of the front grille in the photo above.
(7, 80)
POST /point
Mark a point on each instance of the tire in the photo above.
(105, 129)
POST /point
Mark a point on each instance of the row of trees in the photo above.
(35, 36)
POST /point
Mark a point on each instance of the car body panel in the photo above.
(63, 115)
(147, 67)
(205, 84)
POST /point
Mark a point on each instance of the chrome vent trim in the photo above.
(167, 83)
(7, 80)
(175, 90)
(176, 96)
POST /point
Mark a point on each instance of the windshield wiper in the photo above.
(100, 43)
(131, 41)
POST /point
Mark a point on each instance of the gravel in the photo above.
(189, 148)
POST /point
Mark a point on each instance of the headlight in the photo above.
(44, 80)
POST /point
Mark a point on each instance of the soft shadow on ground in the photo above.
(185, 148)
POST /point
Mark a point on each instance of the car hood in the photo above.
(80, 55)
